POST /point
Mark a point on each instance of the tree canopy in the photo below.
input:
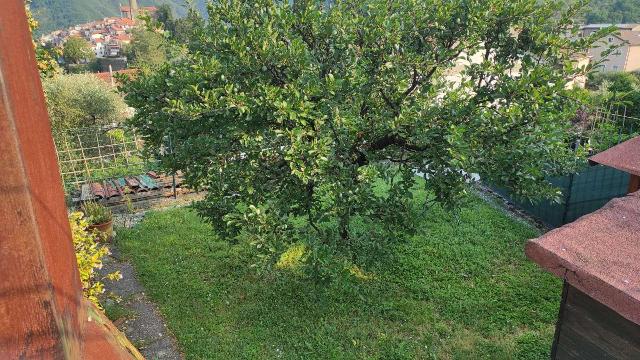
(77, 50)
(613, 12)
(147, 48)
(82, 100)
(302, 114)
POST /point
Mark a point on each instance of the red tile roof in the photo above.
(599, 254)
(122, 37)
(106, 76)
(632, 37)
(624, 157)
(126, 21)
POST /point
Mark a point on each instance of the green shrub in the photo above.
(89, 254)
(617, 90)
(96, 213)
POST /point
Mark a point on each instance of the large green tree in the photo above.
(288, 112)
(45, 57)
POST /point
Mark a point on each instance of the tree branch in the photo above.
(395, 140)
(390, 103)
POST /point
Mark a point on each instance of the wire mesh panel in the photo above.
(592, 188)
(550, 213)
(98, 153)
(584, 193)
(602, 128)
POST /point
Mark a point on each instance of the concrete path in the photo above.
(143, 324)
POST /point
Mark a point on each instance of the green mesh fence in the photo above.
(596, 130)
(584, 192)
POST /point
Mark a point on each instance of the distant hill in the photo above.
(58, 14)
(613, 11)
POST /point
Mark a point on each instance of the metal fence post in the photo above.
(567, 199)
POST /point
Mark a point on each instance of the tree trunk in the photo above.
(343, 228)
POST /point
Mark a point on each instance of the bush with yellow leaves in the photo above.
(89, 253)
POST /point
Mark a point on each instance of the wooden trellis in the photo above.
(97, 153)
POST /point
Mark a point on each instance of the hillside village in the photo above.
(107, 36)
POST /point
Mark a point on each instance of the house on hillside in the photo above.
(113, 48)
(99, 47)
(626, 57)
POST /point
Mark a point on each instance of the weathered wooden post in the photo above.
(598, 257)
(42, 311)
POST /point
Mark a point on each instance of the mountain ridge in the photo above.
(60, 14)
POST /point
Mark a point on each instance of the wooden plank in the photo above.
(634, 184)
(85, 193)
(591, 330)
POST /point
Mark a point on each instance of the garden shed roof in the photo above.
(624, 157)
(599, 254)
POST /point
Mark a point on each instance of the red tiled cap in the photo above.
(599, 254)
(624, 157)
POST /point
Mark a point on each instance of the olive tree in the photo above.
(77, 50)
(82, 100)
(301, 118)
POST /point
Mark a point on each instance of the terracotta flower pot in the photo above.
(105, 229)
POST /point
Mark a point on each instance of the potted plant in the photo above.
(100, 219)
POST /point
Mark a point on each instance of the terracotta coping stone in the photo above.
(624, 157)
(599, 254)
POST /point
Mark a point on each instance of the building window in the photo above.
(610, 39)
(615, 67)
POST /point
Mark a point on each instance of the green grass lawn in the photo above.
(460, 289)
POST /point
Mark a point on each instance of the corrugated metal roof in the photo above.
(598, 254)
(624, 157)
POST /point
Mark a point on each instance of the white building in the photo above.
(99, 48)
